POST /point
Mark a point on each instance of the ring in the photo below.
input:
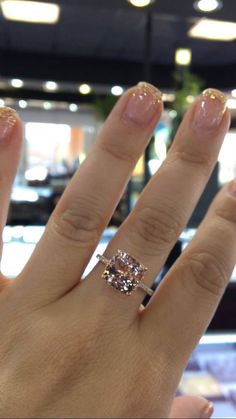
(124, 273)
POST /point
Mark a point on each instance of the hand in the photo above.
(72, 348)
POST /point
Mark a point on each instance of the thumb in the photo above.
(191, 407)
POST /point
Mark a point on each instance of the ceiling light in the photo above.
(183, 56)
(233, 93)
(73, 107)
(51, 85)
(207, 5)
(17, 83)
(141, 3)
(22, 104)
(117, 90)
(231, 103)
(30, 11)
(85, 89)
(47, 106)
(218, 30)
(2, 103)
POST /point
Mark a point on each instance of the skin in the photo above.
(72, 348)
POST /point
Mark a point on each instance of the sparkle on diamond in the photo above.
(124, 273)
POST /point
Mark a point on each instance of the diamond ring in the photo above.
(124, 273)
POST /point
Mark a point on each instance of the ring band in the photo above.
(124, 273)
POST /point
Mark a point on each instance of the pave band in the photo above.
(124, 273)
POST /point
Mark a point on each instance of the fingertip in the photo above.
(140, 107)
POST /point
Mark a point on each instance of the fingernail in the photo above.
(7, 122)
(208, 411)
(209, 110)
(232, 188)
(143, 104)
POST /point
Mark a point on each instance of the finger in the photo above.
(86, 206)
(167, 202)
(10, 147)
(191, 407)
(187, 299)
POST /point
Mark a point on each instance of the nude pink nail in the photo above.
(7, 121)
(142, 104)
(209, 110)
(208, 411)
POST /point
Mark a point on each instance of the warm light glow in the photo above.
(140, 3)
(23, 104)
(85, 89)
(233, 93)
(17, 83)
(2, 103)
(183, 56)
(190, 99)
(51, 85)
(216, 30)
(30, 11)
(117, 90)
(73, 107)
(207, 5)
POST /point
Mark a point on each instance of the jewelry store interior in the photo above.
(63, 69)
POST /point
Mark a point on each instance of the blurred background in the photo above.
(63, 65)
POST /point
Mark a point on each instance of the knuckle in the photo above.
(225, 214)
(116, 150)
(81, 223)
(202, 161)
(207, 272)
(156, 227)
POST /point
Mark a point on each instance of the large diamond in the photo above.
(124, 273)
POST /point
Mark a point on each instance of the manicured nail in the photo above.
(232, 188)
(208, 411)
(209, 110)
(143, 104)
(7, 122)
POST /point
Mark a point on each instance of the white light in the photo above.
(85, 89)
(231, 103)
(173, 113)
(36, 173)
(73, 107)
(216, 30)
(23, 104)
(117, 90)
(17, 83)
(47, 106)
(233, 93)
(2, 103)
(183, 56)
(217, 338)
(140, 3)
(51, 85)
(207, 5)
(30, 11)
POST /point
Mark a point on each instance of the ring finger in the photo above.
(165, 205)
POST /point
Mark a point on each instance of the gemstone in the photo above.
(124, 273)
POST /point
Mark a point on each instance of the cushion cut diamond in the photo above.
(124, 273)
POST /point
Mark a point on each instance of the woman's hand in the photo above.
(72, 348)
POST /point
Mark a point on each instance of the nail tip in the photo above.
(215, 94)
(151, 89)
